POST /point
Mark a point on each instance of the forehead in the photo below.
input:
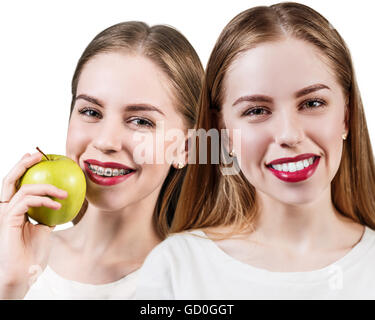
(118, 78)
(278, 69)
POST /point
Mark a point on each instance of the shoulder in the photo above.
(176, 248)
(170, 264)
(181, 241)
(369, 237)
(365, 249)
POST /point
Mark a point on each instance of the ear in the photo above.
(182, 151)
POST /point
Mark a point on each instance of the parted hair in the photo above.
(210, 199)
(175, 56)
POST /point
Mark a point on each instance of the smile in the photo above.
(107, 174)
(294, 169)
(294, 166)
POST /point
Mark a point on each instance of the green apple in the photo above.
(65, 174)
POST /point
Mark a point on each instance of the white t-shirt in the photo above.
(185, 266)
(51, 286)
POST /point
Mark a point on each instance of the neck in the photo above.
(300, 227)
(128, 233)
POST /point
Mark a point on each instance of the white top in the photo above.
(51, 286)
(185, 266)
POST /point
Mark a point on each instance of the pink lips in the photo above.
(107, 181)
(296, 176)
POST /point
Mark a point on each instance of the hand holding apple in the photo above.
(23, 245)
(63, 173)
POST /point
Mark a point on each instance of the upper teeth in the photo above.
(293, 166)
(108, 172)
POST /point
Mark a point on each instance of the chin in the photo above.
(298, 197)
(106, 203)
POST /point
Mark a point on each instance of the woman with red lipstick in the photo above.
(297, 221)
(132, 86)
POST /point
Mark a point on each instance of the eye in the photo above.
(313, 104)
(142, 122)
(90, 113)
(256, 112)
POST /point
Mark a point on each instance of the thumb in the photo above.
(45, 228)
(50, 229)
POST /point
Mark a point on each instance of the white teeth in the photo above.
(299, 165)
(293, 166)
(108, 172)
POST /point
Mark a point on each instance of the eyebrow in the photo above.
(298, 94)
(253, 98)
(90, 99)
(130, 107)
(313, 88)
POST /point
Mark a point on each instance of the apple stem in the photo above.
(37, 148)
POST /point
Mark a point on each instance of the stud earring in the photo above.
(180, 165)
(232, 154)
(344, 135)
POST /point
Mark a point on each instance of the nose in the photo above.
(289, 132)
(108, 137)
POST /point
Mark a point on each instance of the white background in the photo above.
(41, 42)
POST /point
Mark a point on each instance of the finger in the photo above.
(39, 190)
(50, 229)
(16, 214)
(9, 182)
(45, 228)
(26, 155)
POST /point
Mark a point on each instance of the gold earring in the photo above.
(344, 135)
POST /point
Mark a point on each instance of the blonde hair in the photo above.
(209, 199)
(175, 56)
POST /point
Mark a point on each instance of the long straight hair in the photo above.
(175, 56)
(209, 199)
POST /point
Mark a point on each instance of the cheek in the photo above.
(147, 148)
(254, 145)
(151, 152)
(254, 140)
(77, 140)
(327, 135)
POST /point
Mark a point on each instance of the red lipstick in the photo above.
(103, 180)
(113, 165)
(295, 159)
(299, 175)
